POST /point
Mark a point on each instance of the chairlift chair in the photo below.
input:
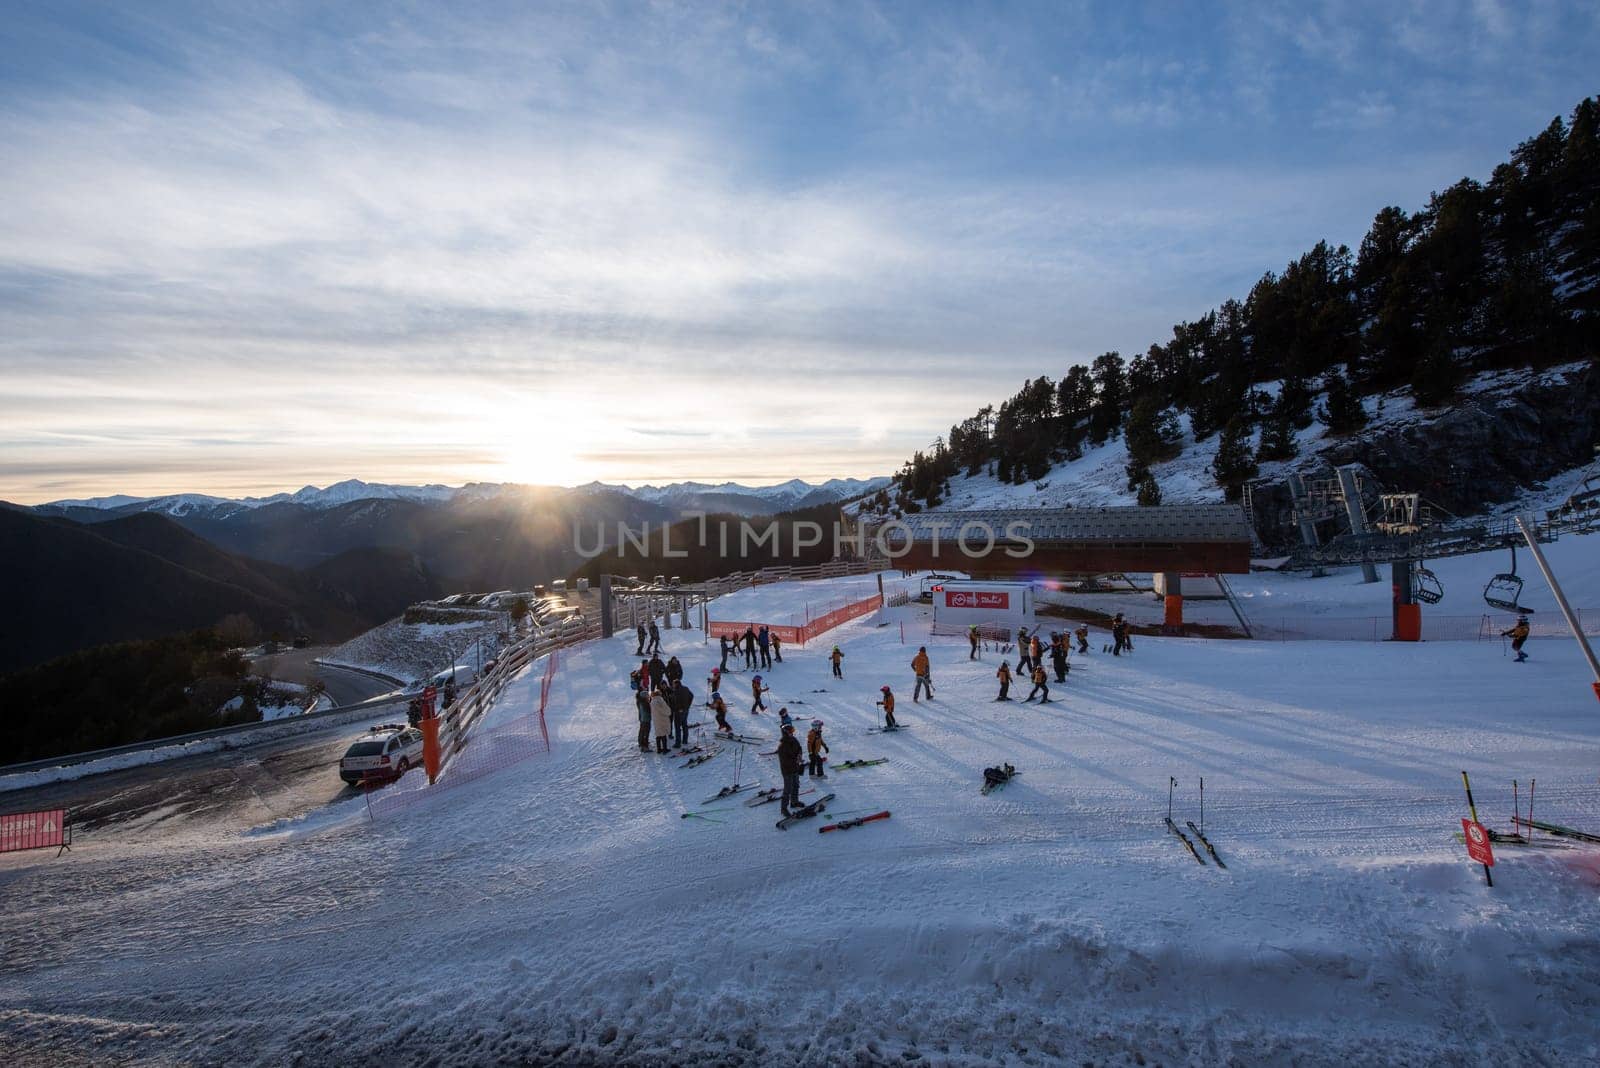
(1425, 586)
(1504, 590)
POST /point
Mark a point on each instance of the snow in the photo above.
(562, 909)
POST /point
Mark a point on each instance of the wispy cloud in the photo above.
(539, 243)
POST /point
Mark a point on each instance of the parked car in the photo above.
(382, 754)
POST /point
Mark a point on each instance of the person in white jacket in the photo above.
(660, 719)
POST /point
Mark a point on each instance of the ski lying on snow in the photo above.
(729, 791)
(845, 825)
(696, 761)
(848, 764)
(888, 730)
(1173, 827)
(1556, 829)
(742, 739)
(767, 797)
(1207, 843)
(805, 813)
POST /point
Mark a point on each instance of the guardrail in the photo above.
(326, 717)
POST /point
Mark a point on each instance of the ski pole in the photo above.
(1516, 808)
(1531, 784)
(1202, 804)
(1171, 785)
(1472, 808)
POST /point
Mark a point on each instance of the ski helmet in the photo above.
(757, 679)
(886, 689)
(816, 724)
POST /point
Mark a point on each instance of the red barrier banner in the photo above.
(32, 830)
(800, 635)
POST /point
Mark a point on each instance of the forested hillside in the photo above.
(1487, 275)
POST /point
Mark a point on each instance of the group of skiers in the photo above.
(663, 702)
(764, 642)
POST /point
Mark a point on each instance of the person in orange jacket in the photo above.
(756, 690)
(1041, 681)
(1004, 675)
(1519, 636)
(837, 656)
(920, 665)
(887, 704)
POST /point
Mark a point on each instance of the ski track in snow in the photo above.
(560, 910)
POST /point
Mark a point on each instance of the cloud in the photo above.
(532, 239)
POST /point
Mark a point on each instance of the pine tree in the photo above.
(1152, 433)
(1342, 411)
(1277, 437)
(1234, 464)
(1149, 492)
(1438, 374)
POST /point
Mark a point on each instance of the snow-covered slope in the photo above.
(564, 910)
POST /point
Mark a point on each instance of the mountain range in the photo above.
(733, 497)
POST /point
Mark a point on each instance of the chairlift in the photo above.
(1504, 591)
(1425, 586)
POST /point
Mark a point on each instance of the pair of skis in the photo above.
(888, 730)
(805, 813)
(845, 825)
(771, 794)
(699, 758)
(1196, 831)
(990, 785)
(742, 739)
(851, 764)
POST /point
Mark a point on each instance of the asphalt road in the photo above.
(231, 789)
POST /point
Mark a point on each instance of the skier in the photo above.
(660, 718)
(920, 665)
(658, 673)
(1004, 675)
(682, 701)
(815, 747)
(789, 764)
(1519, 636)
(887, 704)
(714, 680)
(655, 637)
(1041, 681)
(1035, 650)
(756, 689)
(641, 698)
(640, 651)
(719, 708)
(1058, 657)
(674, 670)
(1083, 638)
(1119, 635)
(764, 639)
(722, 640)
(784, 719)
(777, 648)
(1023, 663)
(837, 656)
(749, 647)
(972, 639)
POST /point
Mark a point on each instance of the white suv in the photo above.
(382, 754)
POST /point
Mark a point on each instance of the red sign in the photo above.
(31, 830)
(1477, 843)
(995, 599)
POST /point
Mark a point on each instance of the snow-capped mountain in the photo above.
(678, 495)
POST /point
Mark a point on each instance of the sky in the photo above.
(248, 247)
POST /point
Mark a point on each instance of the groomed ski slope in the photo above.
(563, 911)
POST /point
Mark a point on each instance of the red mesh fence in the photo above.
(478, 753)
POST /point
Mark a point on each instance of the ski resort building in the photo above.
(1034, 543)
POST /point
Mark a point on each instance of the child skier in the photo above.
(720, 708)
(784, 719)
(972, 639)
(1041, 681)
(1518, 635)
(722, 642)
(1083, 638)
(1023, 664)
(756, 689)
(777, 647)
(1058, 658)
(887, 704)
(1004, 675)
(815, 747)
(837, 656)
